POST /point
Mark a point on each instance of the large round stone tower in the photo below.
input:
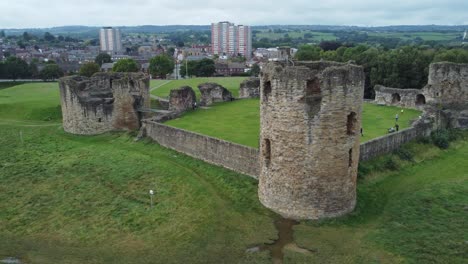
(309, 139)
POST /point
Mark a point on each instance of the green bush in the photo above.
(363, 170)
(404, 154)
(441, 138)
(390, 164)
(423, 140)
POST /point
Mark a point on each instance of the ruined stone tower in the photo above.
(309, 139)
(104, 102)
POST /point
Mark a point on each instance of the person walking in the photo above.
(396, 117)
(397, 127)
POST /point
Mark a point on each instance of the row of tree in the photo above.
(405, 67)
(15, 68)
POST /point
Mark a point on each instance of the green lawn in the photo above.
(84, 199)
(230, 83)
(317, 36)
(435, 36)
(239, 121)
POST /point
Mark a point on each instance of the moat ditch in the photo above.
(285, 240)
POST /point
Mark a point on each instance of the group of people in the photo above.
(396, 127)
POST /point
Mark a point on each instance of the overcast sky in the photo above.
(50, 13)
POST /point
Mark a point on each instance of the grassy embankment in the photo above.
(77, 199)
(239, 121)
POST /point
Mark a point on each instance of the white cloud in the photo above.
(33, 13)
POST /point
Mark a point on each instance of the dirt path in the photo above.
(156, 87)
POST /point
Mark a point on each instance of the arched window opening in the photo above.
(396, 98)
(350, 158)
(351, 124)
(420, 99)
(313, 88)
(267, 150)
(266, 90)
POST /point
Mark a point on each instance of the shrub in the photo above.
(363, 170)
(423, 140)
(390, 164)
(441, 138)
(404, 154)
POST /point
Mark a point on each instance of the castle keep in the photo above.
(309, 139)
(104, 102)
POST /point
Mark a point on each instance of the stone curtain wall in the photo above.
(215, 151)
(407, 98)
(393, 141)
(244, 159)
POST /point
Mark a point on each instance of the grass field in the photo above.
(230, 83)
(239, 121)
(436, 36)
(84, 199)
(317, 36)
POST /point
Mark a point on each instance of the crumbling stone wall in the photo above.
(408, 98)
(212, 93)
(181, 99)
(104, 102)
(250, 88)
(310, 129)
(447, 84)
(445, 96)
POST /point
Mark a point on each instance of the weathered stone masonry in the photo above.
(250, 88)
(445, 97)
(309, 152)
(104, 102)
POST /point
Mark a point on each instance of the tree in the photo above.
(205, 68)
(161, 66)
(329, 45)
(2, 34)
(34, 72)
(88, 69)
(255, 70)
(49, 37)
(102, 58)
(125, 65)
(15, 68)
(26, 36)
(308, 52)
(188, 68)
(2, 70)
(51, 72)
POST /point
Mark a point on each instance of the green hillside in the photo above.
(84, 199)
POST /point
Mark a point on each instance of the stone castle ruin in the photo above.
(408, 98)
(310, 121)
(181, 99)
(250, 88)
(445, 96)
(213, 93)
(309, 139)
(104, 102)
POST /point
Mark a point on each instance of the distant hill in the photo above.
(93, 31)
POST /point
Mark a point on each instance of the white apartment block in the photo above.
(231, 40)
(110, 40)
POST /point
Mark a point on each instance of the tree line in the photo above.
(15, 68)
(404, 67)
